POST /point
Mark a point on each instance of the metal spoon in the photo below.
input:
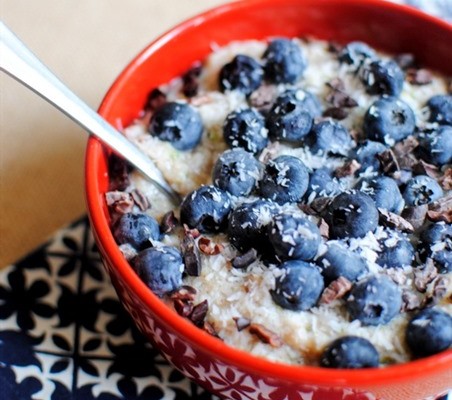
(21, 64)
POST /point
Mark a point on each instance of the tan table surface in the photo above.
(86, 43)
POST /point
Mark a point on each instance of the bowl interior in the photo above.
(384, 25)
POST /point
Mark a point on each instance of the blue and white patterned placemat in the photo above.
(64, 334)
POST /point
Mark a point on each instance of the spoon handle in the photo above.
(21, 64)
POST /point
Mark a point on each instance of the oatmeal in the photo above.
(317, 202)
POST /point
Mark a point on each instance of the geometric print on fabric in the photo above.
(65, 335)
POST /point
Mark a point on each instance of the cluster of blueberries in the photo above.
(289, 239)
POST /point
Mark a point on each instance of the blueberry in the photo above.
(395, 252)
(356, 54)
(366, 154)
(422, 190)
(382, 77)
(351, 215)
(160, 268)
(289, 119)
(339, 261)
(247, 227)
(206, 209)
(310, 102)
(323, 183)
(177, 123)
(284, 61)
(331, 137)
(243, 74)
(436, 243)
(298, 287)
(389, 120)
(285, 180)
(137, 230)
(436, 147)
(429, 332)
(237, 172)
(246, 129)
(384, 192)
(294, 237)
(350, 352)
(440, 107)
(374, 300)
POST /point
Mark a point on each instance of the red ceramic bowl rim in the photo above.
(228, 354)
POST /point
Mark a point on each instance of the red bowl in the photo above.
(223, 370)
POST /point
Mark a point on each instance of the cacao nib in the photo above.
(265, 335)
(199, 313)
(388, 161)
(446, 180)
(441, 210)
(348, 169)
(191, 256)
(241, 323)
(193, 232)
(337, 289)
(337, 96)
(263, 98)
(440, 288)
(169, 222)
(418, 76)
(155, 100)
(404, 153)
(324, 228)
(415, 215)
(405, 60)
(119, 170)
(334, 47)
(391, 220)
(140, 199)
(397, 275)
(183, 308)
(336, 113)
(119, 202)
(190, 80)
(307, 209)
(424, 275)
(184, 293)
(209, 247)
(410, 301)
(423, 168)
(208, 327)
(320, 204)
(242, 261)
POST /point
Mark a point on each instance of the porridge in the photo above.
(315, 227)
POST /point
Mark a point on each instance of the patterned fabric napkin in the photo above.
(64, 334)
